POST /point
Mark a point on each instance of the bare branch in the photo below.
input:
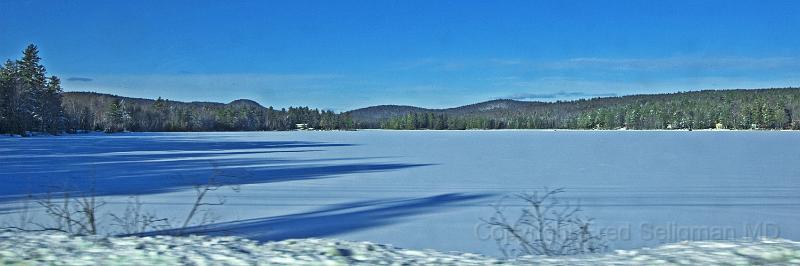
(547, 225)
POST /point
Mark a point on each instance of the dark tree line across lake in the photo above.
(94, 111)
(30, 101)
(729, 109)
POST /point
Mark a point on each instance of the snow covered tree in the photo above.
(115, 117)
(32, 77)
(7, 97)
(52, 112)
(29, 101)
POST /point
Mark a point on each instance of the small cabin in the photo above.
(719, 126)
(301, 126)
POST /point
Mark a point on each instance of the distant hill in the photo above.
(246, 103)
(376, 114)
(760, 108)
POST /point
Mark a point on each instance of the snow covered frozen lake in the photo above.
(428, 189)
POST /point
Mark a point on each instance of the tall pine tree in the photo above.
(12, 99)
(52, 113)
(29, 101)
(32, 77)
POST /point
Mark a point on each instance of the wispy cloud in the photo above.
(671, 63)
(506, 62)
(556, 95)
(80, 79)
(567, 88)
(604, 64)
(435, 64)
(219, 81)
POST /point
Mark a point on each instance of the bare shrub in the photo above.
(216, 181)
(78, 213)
(134, 220)
(75, 216)
(545, 225)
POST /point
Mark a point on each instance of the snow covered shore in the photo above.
(57, 249)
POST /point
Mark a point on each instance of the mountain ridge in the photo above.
(564, 114)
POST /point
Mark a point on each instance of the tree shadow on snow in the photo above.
(136, 165)
(332, 220)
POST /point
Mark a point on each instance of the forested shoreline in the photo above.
(88, 111)
(713, 109)
(30, 101)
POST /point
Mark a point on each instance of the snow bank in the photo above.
(59, 249)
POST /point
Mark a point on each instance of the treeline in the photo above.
(754, 109)
(729, 109)
(440, 121)
(88, 111)
(30, 101)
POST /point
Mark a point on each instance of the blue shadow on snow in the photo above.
(332, 220)
(144, 164)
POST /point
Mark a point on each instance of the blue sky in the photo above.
(342, 55)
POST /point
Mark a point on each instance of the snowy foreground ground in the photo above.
(56, 249)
